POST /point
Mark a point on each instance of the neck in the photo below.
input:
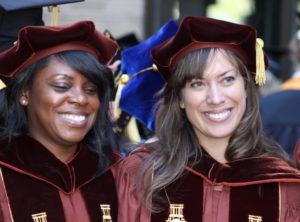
(216, 148)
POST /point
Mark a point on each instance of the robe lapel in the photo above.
(182, 201)
(254, 203)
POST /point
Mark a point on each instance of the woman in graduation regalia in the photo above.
(57, 161)
(211, 161)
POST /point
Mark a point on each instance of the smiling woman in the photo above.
(211, 161)
(56, 140)
(214, 101)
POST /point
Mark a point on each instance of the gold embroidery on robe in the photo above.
(40, 217)
(106, 213)
(253, 218)
(176, 213)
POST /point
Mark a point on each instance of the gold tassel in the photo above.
(121, 83)
(108, 35)
(54, 18)
(131, 131)
(260, 77)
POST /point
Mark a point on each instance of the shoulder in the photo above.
(129, 187)
(127, 172)
(270, 169)
(134, 161)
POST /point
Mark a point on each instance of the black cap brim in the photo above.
(11, 5)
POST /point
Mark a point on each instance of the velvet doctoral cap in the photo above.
(201, 32)
(37, 42)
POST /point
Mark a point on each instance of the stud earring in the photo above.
(23, 102)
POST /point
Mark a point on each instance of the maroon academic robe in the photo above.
(36, 186)
(258, 189)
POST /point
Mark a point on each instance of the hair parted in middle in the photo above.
(177, 142)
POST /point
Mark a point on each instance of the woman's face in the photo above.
(62, 105)
(215, 104)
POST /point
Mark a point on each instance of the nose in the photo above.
(215, 95)
(78, 96)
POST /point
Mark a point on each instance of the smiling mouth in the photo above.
(218, 116)
(74, 118)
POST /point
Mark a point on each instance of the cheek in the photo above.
(37, 103)
(238, 92)
(189, 98)
(95, 105)
(241, 99)
(42, 95)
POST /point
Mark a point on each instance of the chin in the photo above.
(72, 139)
(222, 134)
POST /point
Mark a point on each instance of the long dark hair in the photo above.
(177, 142)
(100, 139)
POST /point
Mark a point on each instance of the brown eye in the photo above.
(60, 87)
(91, 89)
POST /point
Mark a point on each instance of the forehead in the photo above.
(56, 67)
(204, 61)
(218, 63)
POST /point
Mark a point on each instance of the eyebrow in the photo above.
(64, 76)
(219, 76)
(224, 73)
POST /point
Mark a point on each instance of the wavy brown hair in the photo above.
(177, 142)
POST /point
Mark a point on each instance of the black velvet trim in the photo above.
(102, 190)
(29, 196)
(28, 156)
(258, 200)
(188, 191)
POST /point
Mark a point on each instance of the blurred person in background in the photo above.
(280, 110)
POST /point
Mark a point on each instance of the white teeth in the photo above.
(218, 116)
(72, 117)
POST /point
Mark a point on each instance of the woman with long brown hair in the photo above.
(211, 160)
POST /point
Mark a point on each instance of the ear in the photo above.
(181, 104)
(24, 98)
